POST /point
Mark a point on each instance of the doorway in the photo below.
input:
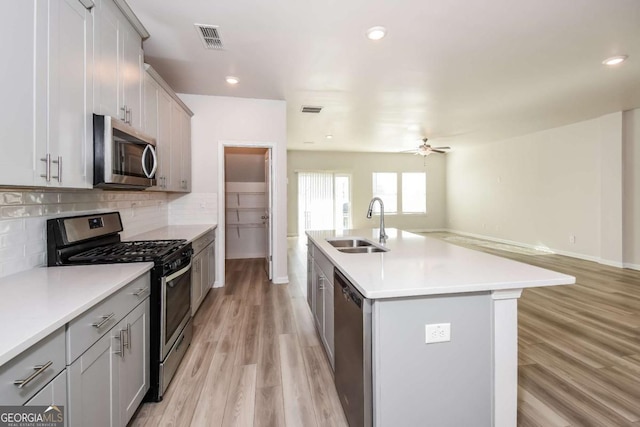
(248, 204)
(324, 201)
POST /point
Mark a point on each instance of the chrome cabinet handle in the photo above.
(320, 283)
(129, 336)
(130, 114)
(47, 163)
(39, 369)
(120, 337)
(105, 319)
(59, 163)
(124, 110)
(141, 291)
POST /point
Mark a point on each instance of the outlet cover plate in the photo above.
(437, 332)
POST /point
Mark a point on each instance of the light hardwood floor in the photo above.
(256, 359)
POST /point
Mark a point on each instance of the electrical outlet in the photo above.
(437, 332)
(572, 239)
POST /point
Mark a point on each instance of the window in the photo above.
(414, 192)
(385, 186)
(413, 197)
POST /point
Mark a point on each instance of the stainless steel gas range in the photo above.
(95, 239)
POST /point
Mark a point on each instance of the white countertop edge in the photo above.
(471, 288)
(322, 244)
(34, 338)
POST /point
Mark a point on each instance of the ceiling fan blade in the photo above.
(438, 151)
(408, 151)
(441, 148)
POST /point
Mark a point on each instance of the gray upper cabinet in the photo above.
(118, 65)
(166, 117)
(46, 127)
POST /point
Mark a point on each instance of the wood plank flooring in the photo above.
(256, 359)
(579, 345)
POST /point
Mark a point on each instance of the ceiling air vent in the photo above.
(210, 36)
(311, 109)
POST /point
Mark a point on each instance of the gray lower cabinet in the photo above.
(320, 297)
(93, 385)
(203, 273)
(54, 393)
(110, 379)
(134, 363)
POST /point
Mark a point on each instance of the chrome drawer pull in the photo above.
(105, 319)
(39, 369)
(141, 291)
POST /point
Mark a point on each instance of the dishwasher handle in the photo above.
(348, 292)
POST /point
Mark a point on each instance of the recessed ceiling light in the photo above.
(376, 33)
(329, 136)
(232, 80)
(615, 60)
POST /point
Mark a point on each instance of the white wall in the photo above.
(361, 166)
(542, 188)
(220, 120)
(631, 188)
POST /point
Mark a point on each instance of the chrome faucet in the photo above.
(383, 235)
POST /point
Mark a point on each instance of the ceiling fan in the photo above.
(425, 149)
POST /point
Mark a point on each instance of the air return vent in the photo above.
(210, 36)
(311, 109)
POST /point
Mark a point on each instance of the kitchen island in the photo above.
(471, 379)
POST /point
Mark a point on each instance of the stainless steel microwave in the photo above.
(123, 157)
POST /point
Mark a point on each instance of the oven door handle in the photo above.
(144, 159)
(177, 274)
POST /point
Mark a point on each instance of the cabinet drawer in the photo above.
(325, 265)
(47, 352)
(87, 328)
(203, 241)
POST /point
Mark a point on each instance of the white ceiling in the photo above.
(456, 71)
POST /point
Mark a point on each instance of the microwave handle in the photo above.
(155, 161)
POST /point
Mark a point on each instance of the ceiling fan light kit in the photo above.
(425, 149)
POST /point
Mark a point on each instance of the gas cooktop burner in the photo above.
(146, 250)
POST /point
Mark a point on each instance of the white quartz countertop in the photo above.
(170, 232)
(418, 265)
(36, 302)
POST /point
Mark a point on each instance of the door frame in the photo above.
(222, 237)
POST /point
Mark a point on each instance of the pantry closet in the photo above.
(246, 202)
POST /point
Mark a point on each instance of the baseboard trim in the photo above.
(280, 280)
(549, 250)
(427, 230)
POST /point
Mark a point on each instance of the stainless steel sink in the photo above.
(349, 243)
(362, 250)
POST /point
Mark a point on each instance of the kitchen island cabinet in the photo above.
(469, 378)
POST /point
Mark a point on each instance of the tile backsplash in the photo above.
(24, 213)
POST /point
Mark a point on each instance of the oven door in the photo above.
(175, 307)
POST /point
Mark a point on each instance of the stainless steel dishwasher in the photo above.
(353, 351)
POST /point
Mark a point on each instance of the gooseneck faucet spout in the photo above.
(383, 235)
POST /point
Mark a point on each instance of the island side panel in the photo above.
(505, 343)
(440, 384)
